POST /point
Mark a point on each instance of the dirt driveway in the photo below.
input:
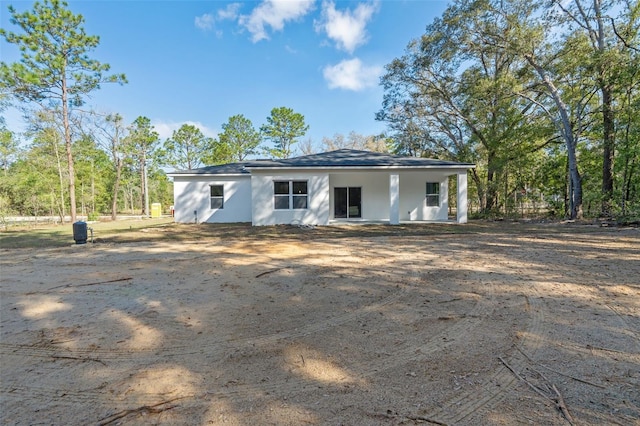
(496, 325)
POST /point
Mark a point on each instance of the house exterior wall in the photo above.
(264, 212)
(376, 195)
(413, 191)
(375, 192)
(192, 199)
(250, 198)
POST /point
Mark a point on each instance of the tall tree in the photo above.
(627, 164)
(592, 20)
(453, 94)
(187, 148)
(532, 42)
(94, 176)
(55, 66)
(283, 128)
(142, 143)
(46, 149)
(115, 142)
(238, 140)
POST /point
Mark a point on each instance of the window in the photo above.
(217, 196)
(281, 195)
(433, 194)
(290, 194)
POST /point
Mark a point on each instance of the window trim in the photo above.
(291, 196)
(431, 196)
(216, 197)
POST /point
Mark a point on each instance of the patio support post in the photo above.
(462, 197)
(394, 199)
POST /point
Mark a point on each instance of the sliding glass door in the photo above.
(347, 202)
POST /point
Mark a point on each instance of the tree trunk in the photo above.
(479, 187)
(146, 189)
(608, 151)
(67, 140)
(116, 188)
(60, 176)
(575, 198)
(143, 184)
(566, 129)
(567, 185)
(608, 117)
(491, 184)
(141, 165)
(629, 192)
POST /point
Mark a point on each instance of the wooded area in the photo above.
(541, 95)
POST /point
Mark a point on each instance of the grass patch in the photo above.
(128, 231)
(164, 229)
(62, 235)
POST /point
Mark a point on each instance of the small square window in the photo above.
(281, 188)
(299, 187)
(217, 190)
(299, 201)
(281, 202)
(217, 203)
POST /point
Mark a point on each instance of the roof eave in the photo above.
(207, 174)
(393, 167)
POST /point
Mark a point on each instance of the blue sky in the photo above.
(204, 61)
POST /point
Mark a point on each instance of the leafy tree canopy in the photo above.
(283, 128)
(187, 148)
(238, 140)
(54, 61)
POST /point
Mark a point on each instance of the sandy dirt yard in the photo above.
(504, 324)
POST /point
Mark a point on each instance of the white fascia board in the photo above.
(207, 174)
(360, 168)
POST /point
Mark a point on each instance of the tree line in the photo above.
(78, 158)
(542, 95)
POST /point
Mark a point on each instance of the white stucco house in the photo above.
(320, 189)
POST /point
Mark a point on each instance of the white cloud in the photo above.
(204, 22)
(207, 21)
(351, 74)
(274, 14)
(348, 28)
(230, 12)
(166, 128)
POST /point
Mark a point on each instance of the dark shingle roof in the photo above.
(340, 158)
(355, 158)
(223, 169)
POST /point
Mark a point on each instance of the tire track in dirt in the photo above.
(501, 382)
(453, 334)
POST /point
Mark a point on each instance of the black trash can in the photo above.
(80, 232)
